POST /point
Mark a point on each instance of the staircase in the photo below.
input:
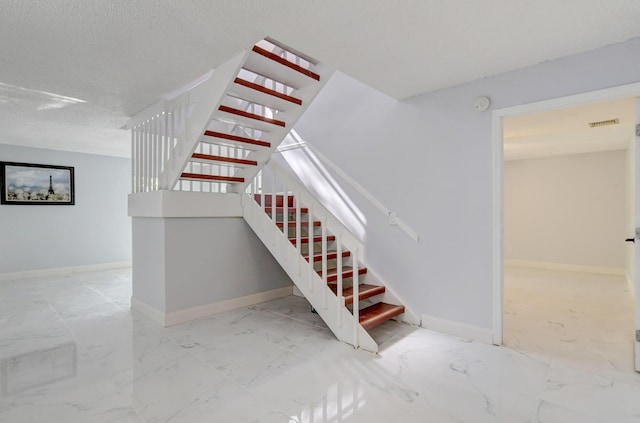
(322, 256)
(218, 137)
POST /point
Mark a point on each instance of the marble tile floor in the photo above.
(582, 318)
(72, 351)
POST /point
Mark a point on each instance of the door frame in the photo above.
(498, 116)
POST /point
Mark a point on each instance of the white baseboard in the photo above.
(149, 311)
(207, 310)
(567, 267)
(461, 330)
(63, 270)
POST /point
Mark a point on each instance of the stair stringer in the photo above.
(337, 317)
(203, 102)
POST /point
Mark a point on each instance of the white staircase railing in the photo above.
(289, 251)
(164, 136)
(296, 142)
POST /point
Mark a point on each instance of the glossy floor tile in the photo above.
(72, 351)
(581, 318)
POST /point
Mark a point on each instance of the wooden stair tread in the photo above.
(292, 224)
(248, 115)
(331, 255)
(267, 91)
(213, 158)
(305, 239)
(237, 138)
(268, 200)
(364, 291)
(215, 178)
(286, 63)
(269, 209)
(347, 272)
(377, 314)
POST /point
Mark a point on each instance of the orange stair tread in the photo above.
(347, 272)
(286, 63)
(377, 314)
(268, 91)
(364, 291)
(305, 239)
(331, 255)
(218, 178)
(223, 159)
(280, 209)
(292, 223)
(242, 113)
(237, 138)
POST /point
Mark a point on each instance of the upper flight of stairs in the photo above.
(269, 92)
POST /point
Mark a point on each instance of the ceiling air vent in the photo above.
(604, 123)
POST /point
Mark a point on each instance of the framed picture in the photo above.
(28, 183)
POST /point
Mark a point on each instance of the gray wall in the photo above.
(181, 263)
(95, 230)
(430, 159)
(567, 209)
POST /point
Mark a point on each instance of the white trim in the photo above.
(149, 311)
(498, 231)
(614, 93)
(600, 270)
(207, 310)
(63, 270)
(461, 330)
(165, 203)
(199, 312)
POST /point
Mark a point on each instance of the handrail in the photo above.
(392, 216)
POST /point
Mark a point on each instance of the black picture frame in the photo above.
(36, 184)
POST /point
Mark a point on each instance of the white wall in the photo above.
(568, 210)
(430, 159)
(95, 230)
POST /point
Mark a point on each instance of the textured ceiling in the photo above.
(114, 58)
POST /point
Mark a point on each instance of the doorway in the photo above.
(528, 275)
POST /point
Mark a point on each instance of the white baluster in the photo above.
(285, 214)
(273, 195)
(298, 230)
(325, 285)
(310, 250)
(340, 297)
(133, 160)
(356, 300)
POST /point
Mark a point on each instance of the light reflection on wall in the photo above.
(315, 176)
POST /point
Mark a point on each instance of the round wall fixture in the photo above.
(481, 104)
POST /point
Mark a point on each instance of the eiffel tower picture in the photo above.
(51, 191)
(31, 183)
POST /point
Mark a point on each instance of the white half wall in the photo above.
(430, 159)
(96, 230)
(568, 210)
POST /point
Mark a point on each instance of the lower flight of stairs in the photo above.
(372, 312)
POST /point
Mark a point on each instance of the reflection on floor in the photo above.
(72, 351)
(574, 317)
